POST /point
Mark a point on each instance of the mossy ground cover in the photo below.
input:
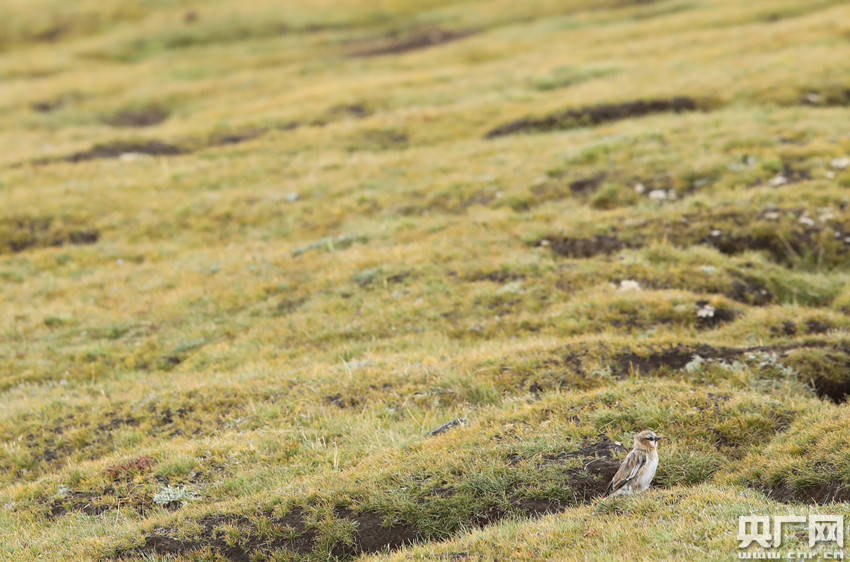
(252, 254)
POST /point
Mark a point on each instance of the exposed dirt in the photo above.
(235, 137)
(378, 139)
(673, 358)
(584, 247)
(828, 371)
(421, 39)
(496, 276)
(835, 491)
(594, 115)
(138, 117)
(115, 149)
(129, 468)
(152, 147)
(825, 366)
(749, 290)
(298, 538)
(76, 501)
(22, 233)
(587, 185)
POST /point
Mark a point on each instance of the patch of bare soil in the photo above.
(421, 39)
(749, 290)
(22, 233)
(587, 185)
(83, 502)
(584, 247)
(823, 493)
(825, 366)
(137, 117)
(235, 137)
(593, 115)
(296, 537)
(115, 149)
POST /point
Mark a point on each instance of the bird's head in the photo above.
(647, 439)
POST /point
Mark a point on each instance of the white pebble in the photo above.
(629, 285)
(778, 180)
(706, 311)
(840, 163)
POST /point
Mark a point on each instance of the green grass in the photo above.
(253, 253)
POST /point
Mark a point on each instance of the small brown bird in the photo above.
(638, 468)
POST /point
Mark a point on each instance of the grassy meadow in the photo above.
(254, 253)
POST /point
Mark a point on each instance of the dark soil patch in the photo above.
(834, 390)
(587, 185)
(496, 276)
(115, 149)
(781, 249)
(421, 39)
(77, 501)
(835, 491)
(828, 370)
(22, 233)
(46, 106)
(296, 537)
(817, 327)
(378, 139)
(674, 358)
(235, 137)
(594, 115)
(138, 117)
(342, 111)
(340, 401)
(584, 247)
(130, 468)
(749, 290)
(718, 317)
(372, 535)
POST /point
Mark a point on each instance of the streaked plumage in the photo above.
(638, 469)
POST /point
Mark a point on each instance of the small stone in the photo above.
(119, 261)
(292, 197)
(840, 163)
(544, 243)
(133, 156)
(658, 195)
(808, 221)
(639, 188)
(830, 174)
(629, 285)
(813, 97)
(708, 269)
(706, 311)
(778, 180)
(771, 215)
(716, 233)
